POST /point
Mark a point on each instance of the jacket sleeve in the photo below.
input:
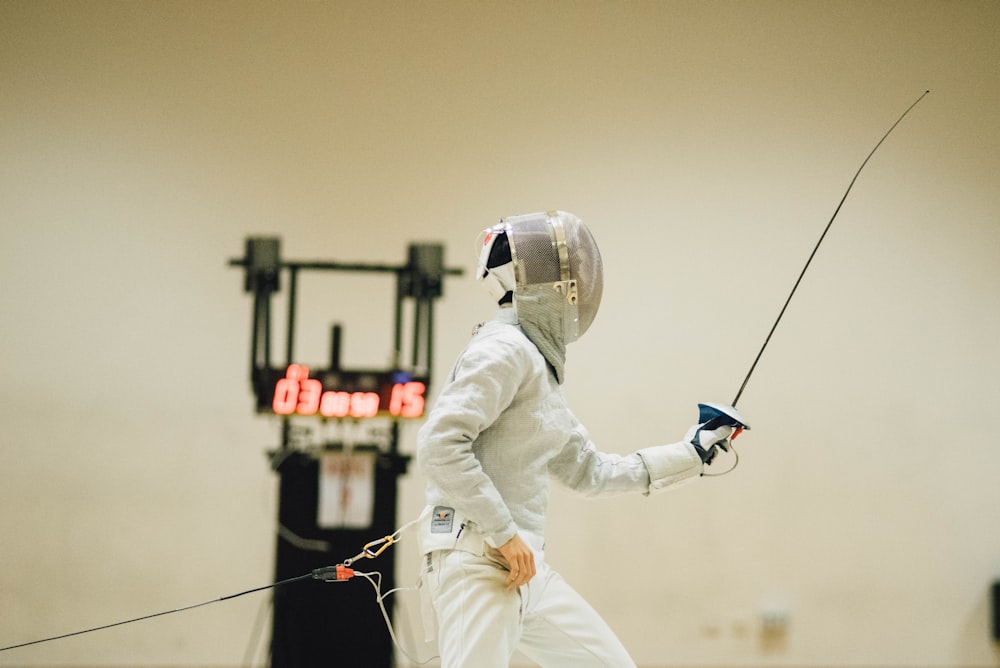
(484, 382)
(583, 468)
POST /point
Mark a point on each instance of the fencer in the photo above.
(498, 431)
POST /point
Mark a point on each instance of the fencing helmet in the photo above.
(549, 265)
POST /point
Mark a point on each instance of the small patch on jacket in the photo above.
(442, 519)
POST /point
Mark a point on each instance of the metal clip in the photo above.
(384, 542)
(368, 552)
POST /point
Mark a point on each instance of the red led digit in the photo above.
(286, 390)
(356, 404)
(286, 396)
(310, 393)
(372, 402)
(413, 404)
(396, 399)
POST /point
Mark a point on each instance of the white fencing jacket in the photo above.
(500, 428)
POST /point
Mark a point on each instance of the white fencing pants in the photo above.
(480, 622)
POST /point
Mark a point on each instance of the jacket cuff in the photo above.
(670, 465)
(495, 540)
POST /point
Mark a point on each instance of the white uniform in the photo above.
(498, 431)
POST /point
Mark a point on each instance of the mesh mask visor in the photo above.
(555, 255)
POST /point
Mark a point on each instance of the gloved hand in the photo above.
(716, 424)
(707, 441)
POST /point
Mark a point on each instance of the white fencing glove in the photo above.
(717, 423)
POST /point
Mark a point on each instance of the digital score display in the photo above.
(342, 394)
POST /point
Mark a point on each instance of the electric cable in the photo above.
(375, 579)
(736, 462)
(161, 614)
(338, 573)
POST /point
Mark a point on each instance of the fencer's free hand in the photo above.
(717, 425)
(521, 560)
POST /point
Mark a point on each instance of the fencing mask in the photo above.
(550, 266)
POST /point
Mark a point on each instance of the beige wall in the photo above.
(706, 143)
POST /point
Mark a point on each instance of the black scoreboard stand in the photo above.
(319, 623)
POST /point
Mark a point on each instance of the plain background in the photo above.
(706, 144)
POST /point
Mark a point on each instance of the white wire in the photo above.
(399, 532)
(375, 579)
(730, 469)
